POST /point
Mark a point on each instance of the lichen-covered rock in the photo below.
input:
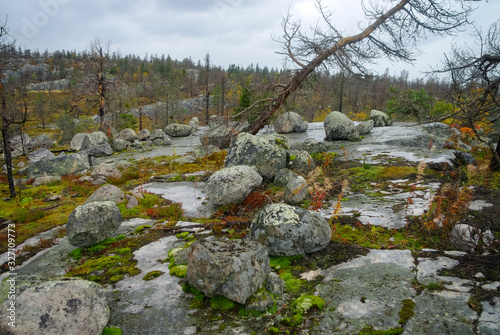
(235, 269)
(107, 193)
(287, 230)
(267, 157)
(119, 145)
(283, 176)
(78, 141)
(295, 190)
(100, 150)
(44, 180)
(96, 138)
(290, 122)
(380, 119)
(92, 222)
(205, 150)
(232, 185)
(143, 135)
(467, 238)
(63, 306)
(274, 284)
(42, 141)
(178, 130)
(365, 127)
(339, 127)
(39, 155)
(301, 160)
(311, 146)
(260, 301)
(194, 123)
(128, 135)
(104, 171)
(157, 134)
(60, 165)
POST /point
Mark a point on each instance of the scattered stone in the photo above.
(274, 284)
(194, 123)
(100, 150)
(232, 185)
(132, 202)
(44, 180)
(188, 159)
(86, 178)
(39, 155)
(143, 135)
(104, 171)
(466, 238)
(311, 146)
(339, 127)
(137, 194)
(92, 222)
(63, 306)
(247, 149)
(42, 141)
(98, 182)
(234, 269)
(205, 151)
(301, 160)
(283, 176)
(178, 130)
(119, 145)
(79, 141)
(290, 122)
(123, 164)
(287, 230)
(365, 127)
(157, 134)
(295, 190)
(107, 193)
(128, 135)
(380, 119)
(59, 166)
(261, 301)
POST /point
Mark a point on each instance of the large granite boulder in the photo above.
(107, 193)
(104, 171)
(301, 160)
(42, 141)
(295, 190)
(194, 123)
(40, 155)
(63, 306)
(119, 145)
(97, 138)
(92, 222)
(287, 230)
(232, 185)
(262, 152)
(60, 165)
(78, 141)
(290, 122)
(311, 146)
(128, 135)
(143, 135)
(178, 130)
(100, 150)
(380, 119)
(339, 127)
(283, 176)
(235, 269)
(365, 127)
(157, 134)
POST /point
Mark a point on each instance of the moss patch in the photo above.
(152, 275)
(406, 312)
(112, 331)
(221, 303)
(369, 330)
(178, 270)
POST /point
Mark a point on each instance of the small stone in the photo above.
(132, 202)
(479, 275)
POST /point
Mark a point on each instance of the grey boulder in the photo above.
(232, 185)
(107, 193)
(365, 127)
(60, 165)
(287, 230)
(380, 119)
(63, 306)
(39, 155)
(92, 222)
(119, 145)
(128, 135)
(301, 160)
(42, 141)
(235, 269)
(283, 176)
(178, 130)
(295, 190)
(104, 171)
(143, 135)
(290, 122)
(339, 127)
(100, 150)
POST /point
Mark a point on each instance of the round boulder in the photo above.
(128, 135)
(178, 130)
(143, 135)
(107, 193)
(40, 154)
(380, 119)
(295, 190)
(290, 122)
(301, 160)
(235, 269)
(58, 307)
(104, 171)
(365, 127)
(232, 185)
(194, 123)
(339, 127)
(93, 222)
(287, 230)
(119, 145)
(157, 134)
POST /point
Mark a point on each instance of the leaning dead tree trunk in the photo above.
(393, 33)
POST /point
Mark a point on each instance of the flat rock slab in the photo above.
(191, 195)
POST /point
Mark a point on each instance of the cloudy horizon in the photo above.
(232, 31)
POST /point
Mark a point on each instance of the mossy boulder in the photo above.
(178, 130)
(290, 122)
(128, 135)
(235, 269)
(59, 166)
(302, 161)
(339, 127)
(287, 230)
(380, 119)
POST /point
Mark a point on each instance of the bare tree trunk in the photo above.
(8, 157)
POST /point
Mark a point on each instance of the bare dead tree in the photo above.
(14, 104)
(475, 82)
(393, 30)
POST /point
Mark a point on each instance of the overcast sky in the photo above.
(232, 31)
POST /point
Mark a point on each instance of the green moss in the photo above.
(116, 278)
(153, 274)
(178, 270)
(278, 263)
(406, 312)
(292, 158)
(123, 250)
(435, 286)
(112, 331)
(222, 326)
(369, 330)
(76, 253)
(140, 229)
(282, 144)
(182, 235)
(274, 330)
(221, 303)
